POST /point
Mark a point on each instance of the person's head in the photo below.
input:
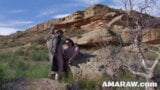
(68, 42)
(59, 32)
(55, 30)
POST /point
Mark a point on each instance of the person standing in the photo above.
(54, 45)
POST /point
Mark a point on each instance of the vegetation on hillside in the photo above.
(20, 64)
(34, 64)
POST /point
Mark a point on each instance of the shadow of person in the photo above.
(82, 57)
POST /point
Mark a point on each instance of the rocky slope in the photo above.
(150, 36)
(35, 84)
(93, 20)
(88, 28)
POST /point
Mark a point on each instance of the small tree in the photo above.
(139, 23)
(143, 7)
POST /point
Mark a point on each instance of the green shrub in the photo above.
(2, 77)
(75, 32)
(85, 84)
(150, 55)
(39, 40)
(15, 67)
(19, 34)
(20, 52)
(38, 55)
(37, 69)
(7, 44)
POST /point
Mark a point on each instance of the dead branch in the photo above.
(155, 63)
(137, 44)
(136, 72)
(114, 20)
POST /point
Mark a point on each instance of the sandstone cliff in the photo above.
(94, 17)
(93, 20)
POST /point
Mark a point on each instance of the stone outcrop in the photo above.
(123, 35)
(95, 64)
(151, 36)
(35, 84)
(95, 19)
(91, 18)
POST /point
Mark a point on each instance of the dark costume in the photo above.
(56, 41)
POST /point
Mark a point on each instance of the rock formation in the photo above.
(91, 18)
(94, 64)
(35, 84)
(90, 64)
(95, 19)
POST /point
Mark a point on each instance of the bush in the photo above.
(39, 40)
(75, 32)
(2, 77)
(17, 67)
(20, 52)
(18, 34)
(86, 84)
(12, 67)
(38, 55)
(7, 44)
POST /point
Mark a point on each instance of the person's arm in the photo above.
(76, 51)
(55, 43)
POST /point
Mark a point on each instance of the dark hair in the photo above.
(59, 31)
(54, 30)
(67, 39)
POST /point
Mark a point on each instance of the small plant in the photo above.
(12, 66)
(38, 55)
(39, 40)
(7, 44)
(2, 77)
(75, 32)
(85, 84)
(20, 52)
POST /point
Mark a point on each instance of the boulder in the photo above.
(117, 35)
(93, 65)
(93, 37)
(151, 36)
(35, 84)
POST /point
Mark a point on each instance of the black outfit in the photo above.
(56, 42)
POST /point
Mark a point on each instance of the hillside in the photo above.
(105, 46)
(93, 18)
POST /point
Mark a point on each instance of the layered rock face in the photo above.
(94, 64)
(91, 18)
(123, 36)
(95, 19)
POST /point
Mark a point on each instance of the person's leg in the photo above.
(60, 66)
(57, 76)
(54, 67)
(51, 63)
(65, 67)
